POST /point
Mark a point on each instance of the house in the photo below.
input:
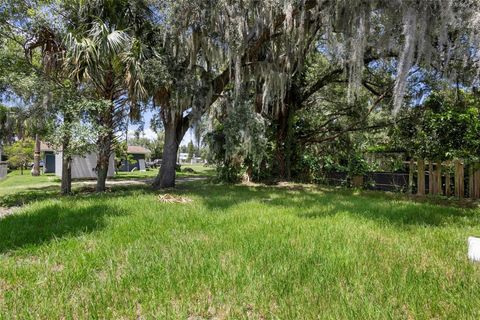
(182, 157)
(84, 167)
(137, 156)
(196, 159)
(48, 157)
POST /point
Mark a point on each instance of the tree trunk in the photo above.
(66, 186)
(104, 144)
(175, 128)
(103, 161)
(166, 177)
(36, 157)
(66, 175)
(283, 151)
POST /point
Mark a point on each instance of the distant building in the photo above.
(197, 160)
(138, 156)
(48, 157)
(182, 157)
(84, 167)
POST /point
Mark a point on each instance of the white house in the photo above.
(83, 167)
(182, 157)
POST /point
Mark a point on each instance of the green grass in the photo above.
(238, 252)
(16, 182)
(17, 185)
(199, 170)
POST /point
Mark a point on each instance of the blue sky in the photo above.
(147, 117)
(149, 133)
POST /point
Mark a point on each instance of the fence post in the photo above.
(421, 177)
(411, 168)
(477, 183)
(438, 176)
(447, 179)
(471, 183)
(431, 180)
(459, 179)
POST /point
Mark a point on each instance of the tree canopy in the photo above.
(275, 80)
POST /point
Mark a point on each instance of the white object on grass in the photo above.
(474, 249)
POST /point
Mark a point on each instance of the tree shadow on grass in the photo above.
(322, 203)
(34, 194)
(28, 195)
(387, 210)
(39, 226)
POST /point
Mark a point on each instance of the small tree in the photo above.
(156, 146)
(20, 153)
(72, 133)
(190, 151)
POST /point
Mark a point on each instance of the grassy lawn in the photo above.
(198, 170)
(16, 182)
(238, 252)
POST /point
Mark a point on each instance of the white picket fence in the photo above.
(3, 170)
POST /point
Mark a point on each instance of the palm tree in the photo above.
(107, 61)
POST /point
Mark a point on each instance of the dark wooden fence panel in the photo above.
(336, 178)
(450, 178)
(387, 181)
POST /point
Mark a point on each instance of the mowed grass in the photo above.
(198, 170)
(238, 252)
(18, 188)
(16, 182)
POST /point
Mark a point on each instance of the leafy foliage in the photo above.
(20, 153)
(446, 127)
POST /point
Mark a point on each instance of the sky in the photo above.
(150, 134)
(147, 116)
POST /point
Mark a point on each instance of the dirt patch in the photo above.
(4, 212)
(170, 198)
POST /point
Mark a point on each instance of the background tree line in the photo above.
(273, 89)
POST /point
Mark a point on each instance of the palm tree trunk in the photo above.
(66, 175)
(103, 161)
(36, 157)
(66, 186)
(104, 144)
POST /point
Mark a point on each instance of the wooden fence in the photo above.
(380, 181)
(421, 177)
(450, 178)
